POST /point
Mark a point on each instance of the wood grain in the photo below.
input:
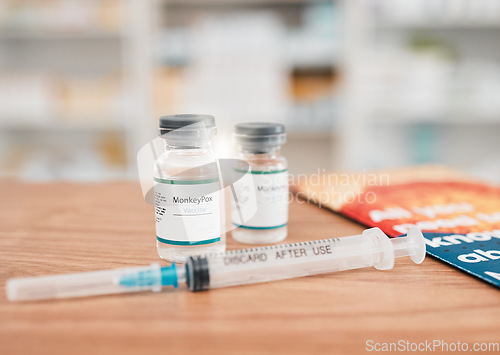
(63, 228)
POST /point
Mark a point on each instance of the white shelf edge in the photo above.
(444, 122)
(63, 36)
(61, 126)
(436, 26)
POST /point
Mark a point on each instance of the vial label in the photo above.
(187, 211)
(261, 200)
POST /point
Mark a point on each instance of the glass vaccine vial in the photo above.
(189, 200)
(260, 204)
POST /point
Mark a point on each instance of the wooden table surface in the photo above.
(63, 228)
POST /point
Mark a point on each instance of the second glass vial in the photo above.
(260, 201)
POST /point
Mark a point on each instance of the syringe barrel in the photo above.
(277, 262)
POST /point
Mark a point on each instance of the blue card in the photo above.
(475, 253)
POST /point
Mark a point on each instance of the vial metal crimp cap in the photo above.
(260, 136)
(185, 121)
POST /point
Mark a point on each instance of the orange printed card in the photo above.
(459, 216)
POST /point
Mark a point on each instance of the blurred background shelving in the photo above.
(255, 61)
(69, 89)
(424, 85)
(360, 84)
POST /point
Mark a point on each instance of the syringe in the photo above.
(237, 267)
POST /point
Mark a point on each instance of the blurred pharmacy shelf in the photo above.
(74, 80)
(360, 84)
(254, 61)
(98, 79)
(422, 85)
